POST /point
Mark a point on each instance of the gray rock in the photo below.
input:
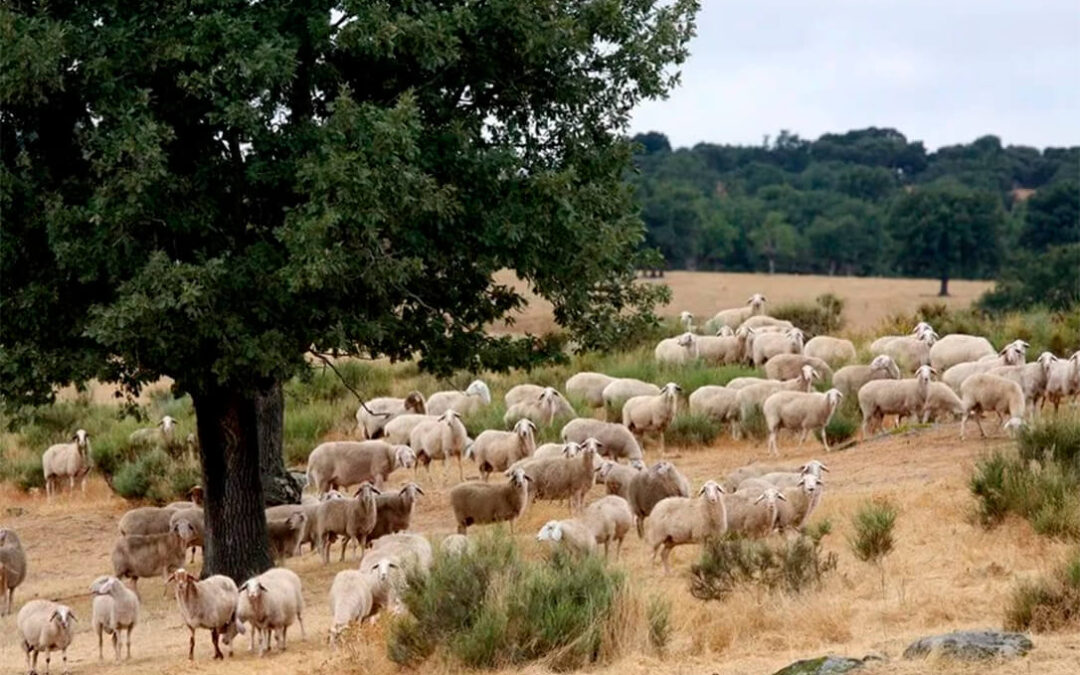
(824, 665)
(971, 645)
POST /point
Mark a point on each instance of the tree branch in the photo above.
(348, 386)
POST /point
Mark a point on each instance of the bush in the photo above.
(873, 524)
(824, 317)
(28, 474)
(693, 429)
(1058, 437)
(1047, 604)
(753, 424)
(845, 422)
(154, 476)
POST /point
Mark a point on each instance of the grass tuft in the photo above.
(1047, 604)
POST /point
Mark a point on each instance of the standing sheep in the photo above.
(393, 512)
(652, 414)
(718, 403)
(722, 348)
(146, 520)
(788, 366)
(850, 379)
(476, 396)
(565, 477)
(12, 567)
(160, 435)
(618, 391)
(616, 477)
(800, 411)
(755, 395)
(397, 430)
(991, 393)
(495, 450)
(286, 534)
(548, 405)
(483, 503)
(277, 602)
(589, 387)
(45, 626)
(573, 534)
(768, 345)
(893, 397)
(67, 460)
(648, 487)
(210, 604)
(958, 348)
(147, 555)
(941, 401)
(351, 519)
(1012, 354)
(441, 438)
(1063, 380)
(1032, 378)
(341, 464)
(373, 415)
(754, 513)
(350, 600)
(115, 609)
(682, 520)
(907, 351)
(609, 519)
(831, 350)
(734, 317)
(616, 441)
(676, 350)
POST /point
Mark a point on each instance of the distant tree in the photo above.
(845, 245)
(653, 142)
(1053, 216)
(1050, 279)
(775, 239)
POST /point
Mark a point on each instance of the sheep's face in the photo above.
(479, 388)
(103, 585)
(637, 464)
(725, 331)
(711, 491)
(551, 531)
(756, 302)
(80, 438)
(366, 492)
(925, 374)
(769, 496)
(518, 478)
(1046, 359)
(167, 424)
(382, 569)
(604, 469)
(231, 630)
(592, 445)
(662, 467)
(411, 490)
(808, 373)
(415, 402)
(671, 389)
(296, 521)
(685, 340)
(332, 494)
(404, 457)
(182, 579)
(813, 467)
(185, 529)
(810, 483)
(63, 617)
(254, 590)
(686, 318)
(524, 428)
(832, 397)
(571, 449)
(922, 327)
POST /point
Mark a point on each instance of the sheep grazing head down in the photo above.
(832, 397)
(711, 491)
(1013, 424)
(551, 531)
(404, 457)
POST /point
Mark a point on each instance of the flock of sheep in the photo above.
(656, 500)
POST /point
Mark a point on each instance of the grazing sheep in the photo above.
(722, 348)
(351, 519)
(160, 435)
(67, 460)
(755, 395)
(522, 392)
(285, 534)
(850, 379)
(476, 396)
(387, 563)
(573, 534)
(411, 550)
(908, 352)
(210, 604)
(609, 519)
(115, 609)
(652, 414)
(893, 397)
(991, 393)
(754, 513)
(12, 567)
(398, 430)
(788, 366)
(146, 555)
(495, 450)
(831, 350)
(1032, 378)
(681, 520)
(800, 411)
(309, 510)
(45, 626)
(648, 487)
(441, 438)
(959, 348)
(589, 387)
(718, 403)
(570, 449)
(372, 417)
(767, 345)
(617, 442)
(618, 391)
(1063, 380)
(146, 520)
(565, 477)
(341, 464)
(941, 401)
(483, 503)
(192, 532)
(542, 409)
(393, 511)
(616, 477)
(350, 600)
(277, 602)
(735, 316)
(1012, 354)
(676, 350)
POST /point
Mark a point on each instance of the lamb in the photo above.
(589, 387)
(573, 534)
(564, 477)
(940, 402)
(834, 351)
(146, 520)
(1063, 380)
(277, 602)
(115, 609)
(393, 512)
(722, 348)
(767, 345)
(341, 464)
(483, 503)
(908, 352)
(67, 460)
(648, 487)
(984, 393)
(652, 414)
(352, 519)
(45, 626)
(285, 534)
(893, 397)
(543, 409)
(144, 555)
(718, 403)
(733, 317)
(192, 532)
(397, 430)
(616, 477)
(677, 350)
(618, 391)
(495, 450)
(754, 395)
(1012, 354)
(789, 366)
(754, 513)
(350, 600)
(161, 435)
(800, 411)
(372, 417)
(850, 379)
(617, 442)
(682, 520)
(12, 567)
(210, 604)
(959, 348)
(1032, 378)
(440, 439)
(476, 396)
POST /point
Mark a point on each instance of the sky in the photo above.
(943, 72)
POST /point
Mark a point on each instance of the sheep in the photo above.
(686, 320)
(718, 403)
(676, 350)
(764, 321)
(754, 513)
(373, 415)
(573, 534)
(570, 449)
(648, 487)
(733, 317)
(1032, 378)
(616, 440)
(800, 411)
(831, 350)
(522, 392)
(800, 501)
(767, 345)
(412, 550)
(455, 545)
(1012, 354)
(341, 464)
(352, 519)
(483, 503)
(652, 414)
(893, 397)
(476, 396)
(754, 395)
(115, 609)
(880, 344)
(146, 520)
(788, 366)
(984, 393)
(743, 382)
(67, 460)
(495, 450)
(1063, 379)
(12, 567)
(161, 435)
(681, 520)
(393, 512)
(778, 475)
(441, 438)
(543, 409)
(144, 555)
(850, 379)
(397, 430)
(307, 533)
(565, 477)
(941, 401)
(959, 348)
(616, 477)
(609, 519)
(589, 387)
(277, 602)
(285, 534)
(350, 600)
(192, 533)
(210, 604)
(45, 626)
(907, 351)
(386, 564)
(618, 391)
(722, 348)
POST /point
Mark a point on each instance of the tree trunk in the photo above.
(235, 539)
(279, 487)
(772, 266)
(944, 291)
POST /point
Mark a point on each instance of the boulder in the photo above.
(971, 645)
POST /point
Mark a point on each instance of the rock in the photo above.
(973, 645)
(824, 665)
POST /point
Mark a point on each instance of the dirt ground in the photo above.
(946, 573)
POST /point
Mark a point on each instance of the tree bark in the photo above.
(944, 291)
(236, 544)
(279, 487)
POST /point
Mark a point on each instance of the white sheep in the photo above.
(652, 485)
(800, 411)
(373, 415)
(781, 476)
(209, 603)
(754, 513)
(958, 348)
(67, 460)
(161, 435)
(522, 392)
(564, 477)
(115, 609)
(609, 519)
(1012, 354)
(941, 402)
(495, 450)
(893, 397)
(135, 555)
(1032, 378)
(397, 430)
(878, 346)
(723, 348)
(833, 351)
(909, 352)
(277, 601)
(476, 396)
(570, 449)
(616, 477)
(788, 366)
(618, 391)
(850, 379)
(734, 317)
(12, 567)
(652, 414)
(715, 402)
(573, 534)
(588, 387)
(1063, 380)
(351, 519)
(45, 626)
(441, 438)
(341, 464)
(800, 502)
(544, 408)
(755, 395)
(616, 440)
(767, 345)
(350, 600)
(681, 520)
(676, 350)
(686, 320)
(984, 392)
(393, 512)
(482, 503)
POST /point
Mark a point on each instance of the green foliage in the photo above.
(658, 613)
(1047, 604)
(845, 421)
(1054, 439)
(154, 476)
(307, 424)
(1057, 332)
(791, 566)
(873, 524)
(1053, 217)
(824, 317)
(753, 423)
(693, 430)
(1047, 279)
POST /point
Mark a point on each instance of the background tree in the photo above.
(1053, 216)
(209, 190)
(775, 240)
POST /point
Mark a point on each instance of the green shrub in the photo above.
(753, 423)
(824, 317)
(845, 422)
(873, 530)
(29, 474)
(693, 429)
(1053, 438)
(1047, 604)
(307, 423)
(658, 613)
(154, 476)
(321, 383)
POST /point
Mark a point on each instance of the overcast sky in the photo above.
(943, 72)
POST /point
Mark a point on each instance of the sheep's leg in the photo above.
(825, 440)
(802, 437)
(344, 546)
(300, 620)
(664, 557)
(773, 450)
(214, 635)
(129, 643)
(101, 643)
(48, 658)
(283, 641)
(663, 446)
(83, 487)
(618, 549)
(963, 424)
(117, 651)
(978, 423)
(191, 645)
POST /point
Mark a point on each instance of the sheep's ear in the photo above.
(781, 497)
(760, 498)
(261, 587)
(244, 586)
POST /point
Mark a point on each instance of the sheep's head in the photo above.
(927, 336)
(551, 531)
(711, 491)
(382, 569)
(410, 491)
(571, 449)
(231, 630)
(770, 495)
(449, 417)
(366, 492)
(925, 374)
(662, 467)
(254, 589)
(885, 363)
(103, 585)
(479, 388)
(922, 327)
(756, 302)
(524, 428)
(185, 581)
(185, 530)
(832, 397)
(296, 521)
(592, 445)
(167, 424)
(404, 457)
(1014, 353)
(332, 494)
(808, 373)
(671, 390)
(685, 340)
(814, 467)
(637, 464)
(415, 402)
(8, 537)
(810, 483)
(604, 469)
(63, 617)
(195, 494)
(519, 478)
(686, 319)
(81, 439)
(1013, 424)
(725, 331)
(796, 337)
(1046, 359)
